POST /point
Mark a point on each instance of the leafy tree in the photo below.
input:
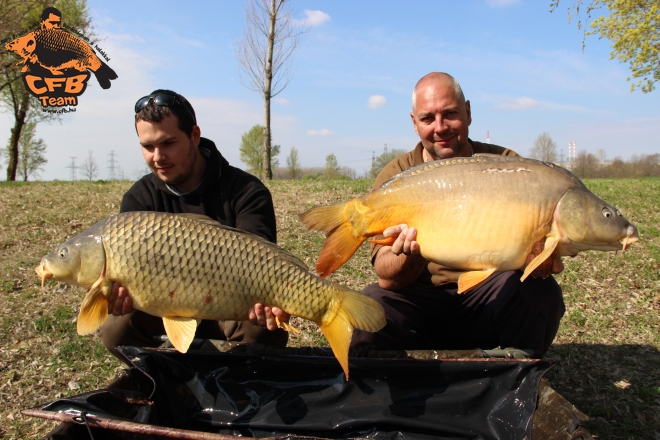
(293, 163)
(89, 168)
(31, 157)
(251, 151)
(383, 160)
(544, 148)
(17, 15)
(633, 27)
(331, 166)
(264, 53)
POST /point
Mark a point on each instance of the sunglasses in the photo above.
(167, 100)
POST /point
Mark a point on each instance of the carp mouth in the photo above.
(43, 273)
(631, 237)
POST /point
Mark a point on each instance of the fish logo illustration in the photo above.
(57, 64)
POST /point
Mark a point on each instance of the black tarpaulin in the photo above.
(293, 394)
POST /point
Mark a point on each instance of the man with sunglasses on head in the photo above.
(189, 175)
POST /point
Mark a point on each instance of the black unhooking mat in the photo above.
(273, 395)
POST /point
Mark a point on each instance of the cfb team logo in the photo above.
(56, 63)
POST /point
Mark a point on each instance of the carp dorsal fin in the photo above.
(469, 280)
(94, 309)
(180, 331)
(551, 243)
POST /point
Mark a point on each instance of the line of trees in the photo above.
(588, 165)
(591, 165)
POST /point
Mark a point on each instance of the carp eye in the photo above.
(606, 212)
(64, 252)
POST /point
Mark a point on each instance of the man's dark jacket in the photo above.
(227, 194)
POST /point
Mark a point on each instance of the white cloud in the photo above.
(523, 103)
(501, 3)
(377, 101)
(283, 101)
(324, 132)
(312, 18)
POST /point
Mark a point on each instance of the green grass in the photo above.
(610, 334)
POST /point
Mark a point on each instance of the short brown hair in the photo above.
(183, 111)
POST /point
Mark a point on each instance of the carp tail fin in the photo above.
(104, 74)
(355, 311)
(180, 331)
(469, 280)
(340, 242)
(94, 309)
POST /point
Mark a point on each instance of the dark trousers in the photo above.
(500, 312)
(138, 329)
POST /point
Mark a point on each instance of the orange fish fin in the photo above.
(180, 331)
(286, 326)
(94, 309)
(389, 241)
(355, 311)
(340, 243)
(549, 247)
(338, 247)
(469, 280)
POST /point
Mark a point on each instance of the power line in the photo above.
(73, 168)
(111, 167)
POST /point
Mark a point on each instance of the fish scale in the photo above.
(188, 267)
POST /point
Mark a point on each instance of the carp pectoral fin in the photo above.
(549, 247)
(389, 241)
(355, 311)
(469, 280)
(181, 331)
(286, 326)
(94, 309)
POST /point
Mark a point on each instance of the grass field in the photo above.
(607, 347)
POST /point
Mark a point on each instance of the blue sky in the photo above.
(521, 67)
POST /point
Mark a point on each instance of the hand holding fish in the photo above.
(552, 265)
(119, 303)
(265, 316)
(400, 263)
(405, 239)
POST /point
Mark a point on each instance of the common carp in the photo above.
(480, 214)
(186, 267)
(56, 50)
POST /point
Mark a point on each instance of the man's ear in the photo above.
(196, 135)
(468, 112)
(412, 118)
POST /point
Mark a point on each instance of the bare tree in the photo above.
(544, 148)
(264, 53)
(585, 165)
(89, 168)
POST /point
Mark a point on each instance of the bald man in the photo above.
(422, 306)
